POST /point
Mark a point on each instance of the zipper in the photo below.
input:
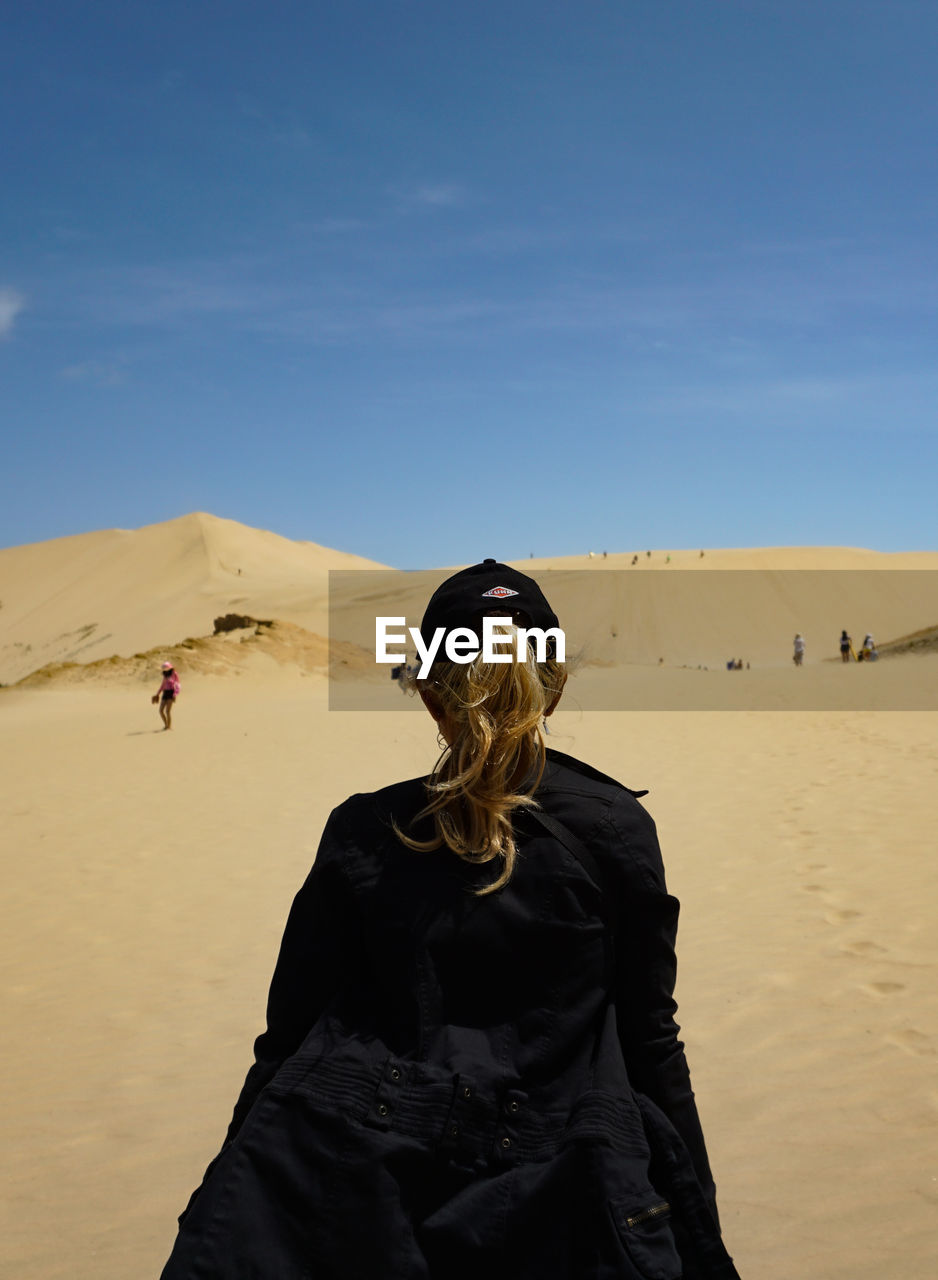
(648, 1215)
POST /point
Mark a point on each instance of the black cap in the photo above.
(484, 590)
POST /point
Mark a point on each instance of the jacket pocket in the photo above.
(644, 1228)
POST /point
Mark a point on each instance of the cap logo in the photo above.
(498, 593)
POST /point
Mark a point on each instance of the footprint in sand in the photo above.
(864, 948)
(814, 888)
(811, 866)
(882, 988)
(912, 1041)
(841, 917)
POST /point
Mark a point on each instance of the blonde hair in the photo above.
(495, 761)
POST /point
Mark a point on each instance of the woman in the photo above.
(167, 694)
(471, 1065)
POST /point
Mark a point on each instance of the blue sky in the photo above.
(436, 281)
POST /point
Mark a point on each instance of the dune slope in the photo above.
(120, 591)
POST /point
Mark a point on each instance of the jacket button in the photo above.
(454, 1131)
(383, 1109)
(395, 1074)
(513, 1105)
(506, 1143)
(467, 1092)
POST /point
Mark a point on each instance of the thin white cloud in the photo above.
(294, 137)
(176, 294)
(805, 247)
(63, 234)
(97, 372)
(331, 226)
(11, 304)
(431, 195)
(728, 316)
(360, 319)
(440, 194)
(761, 399)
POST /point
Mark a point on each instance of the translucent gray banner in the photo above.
(681, 640)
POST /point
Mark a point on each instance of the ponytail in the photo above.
(495, 761)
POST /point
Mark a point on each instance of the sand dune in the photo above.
(254, 650)
(119, 592)
(124, 591)
(742, 558)
(690, 618)
(150, 873)
(687, 623)
(743, 602)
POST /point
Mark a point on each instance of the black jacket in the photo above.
(494, 1032)
(389, 948)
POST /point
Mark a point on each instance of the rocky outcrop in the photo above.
(236, 621)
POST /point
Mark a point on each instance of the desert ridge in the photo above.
(683, 609)
(124, 592)
(121, 592)
(742, 558)
(673, 614)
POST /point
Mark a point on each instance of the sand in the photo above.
(149, 876)
(118, 591)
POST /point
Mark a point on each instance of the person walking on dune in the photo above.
(471, 1066)
(798, 655)
(167, 694)
(846, 647)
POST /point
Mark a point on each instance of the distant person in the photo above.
(648, 554)
(403, 674)
(798, 656)
(868, 648)
(846, 647)
(701, 555)
(167, 694)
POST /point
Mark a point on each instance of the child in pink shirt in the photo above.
(167, 694)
